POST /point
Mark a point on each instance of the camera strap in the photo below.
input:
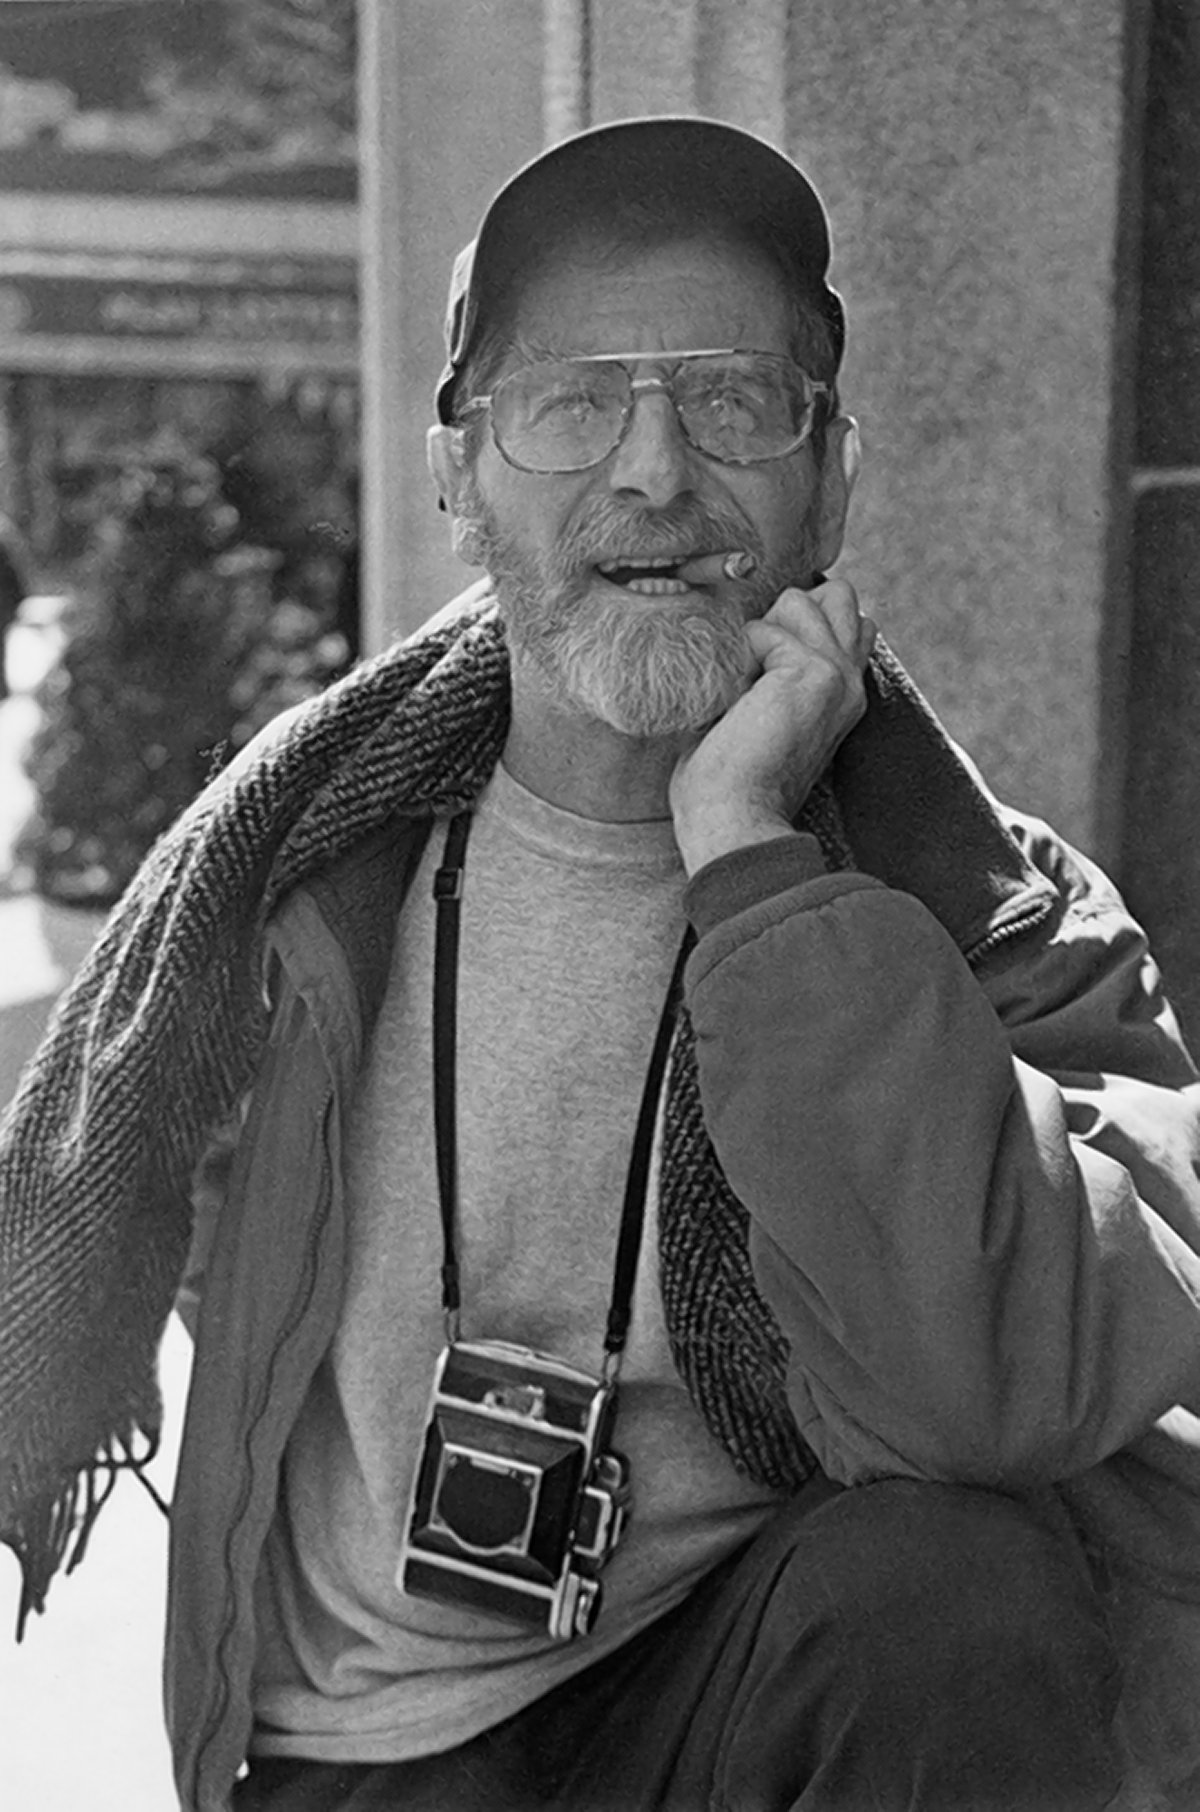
(447, 893)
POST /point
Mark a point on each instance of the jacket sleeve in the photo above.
(210, 1185)
(973, 1198)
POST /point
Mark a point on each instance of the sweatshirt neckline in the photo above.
(553, 831)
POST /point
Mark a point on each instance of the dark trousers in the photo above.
(898, 1645)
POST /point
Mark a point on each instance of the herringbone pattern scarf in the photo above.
(157, 1038)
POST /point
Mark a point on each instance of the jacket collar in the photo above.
(918, 819)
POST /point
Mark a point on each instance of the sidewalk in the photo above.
(81, 1722)
(82, 1715)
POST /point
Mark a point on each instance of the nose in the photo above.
(654, 461)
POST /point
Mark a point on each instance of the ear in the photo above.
(839, 474)
(445, 452)
(446, 458)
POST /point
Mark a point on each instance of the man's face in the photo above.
(649, 656)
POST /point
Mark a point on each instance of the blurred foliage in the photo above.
(288, 451)
(178, 649)
(284, 91)
(230, 85)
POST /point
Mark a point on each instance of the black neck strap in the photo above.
(447, 892)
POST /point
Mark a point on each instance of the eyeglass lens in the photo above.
(563, 415)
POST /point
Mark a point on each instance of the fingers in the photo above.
(825, 621)
(838, 601)
(828, 609)
(868, 635)
(755, 766)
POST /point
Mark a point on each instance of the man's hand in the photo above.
(749, 775)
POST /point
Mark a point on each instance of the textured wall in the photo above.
(971, 157)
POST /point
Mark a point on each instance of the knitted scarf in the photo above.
(157, 1038)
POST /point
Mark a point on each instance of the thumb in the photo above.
(768, 641)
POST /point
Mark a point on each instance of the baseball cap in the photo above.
(716, 170)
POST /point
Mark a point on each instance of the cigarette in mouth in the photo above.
(708, 568)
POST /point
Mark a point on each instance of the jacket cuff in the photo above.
(744, 877)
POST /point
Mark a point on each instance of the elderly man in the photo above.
(704, 1307)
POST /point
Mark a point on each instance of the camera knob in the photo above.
(587, 1606)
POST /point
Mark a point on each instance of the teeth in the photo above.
(656, 588)
(650, 560)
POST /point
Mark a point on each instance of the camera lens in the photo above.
(485, 1507)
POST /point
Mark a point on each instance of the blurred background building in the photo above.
(178, 251)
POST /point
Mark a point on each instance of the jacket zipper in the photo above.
(301, 1303)
(993, 940)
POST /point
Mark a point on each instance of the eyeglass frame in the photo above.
(641, 385)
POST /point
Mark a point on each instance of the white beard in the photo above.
(645, 667)
(648, 674)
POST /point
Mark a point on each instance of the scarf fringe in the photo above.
(55, 1531)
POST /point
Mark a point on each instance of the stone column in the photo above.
(972, 159)
(381, 213)
(451, 101)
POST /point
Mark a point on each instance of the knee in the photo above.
(936, 1589)
(943, 1643)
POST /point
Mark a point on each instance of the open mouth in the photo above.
(655, 576)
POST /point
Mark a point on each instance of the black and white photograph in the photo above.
(599, 906)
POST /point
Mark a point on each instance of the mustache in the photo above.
(603, 527)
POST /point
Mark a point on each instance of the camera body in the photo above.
(518, 1502)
